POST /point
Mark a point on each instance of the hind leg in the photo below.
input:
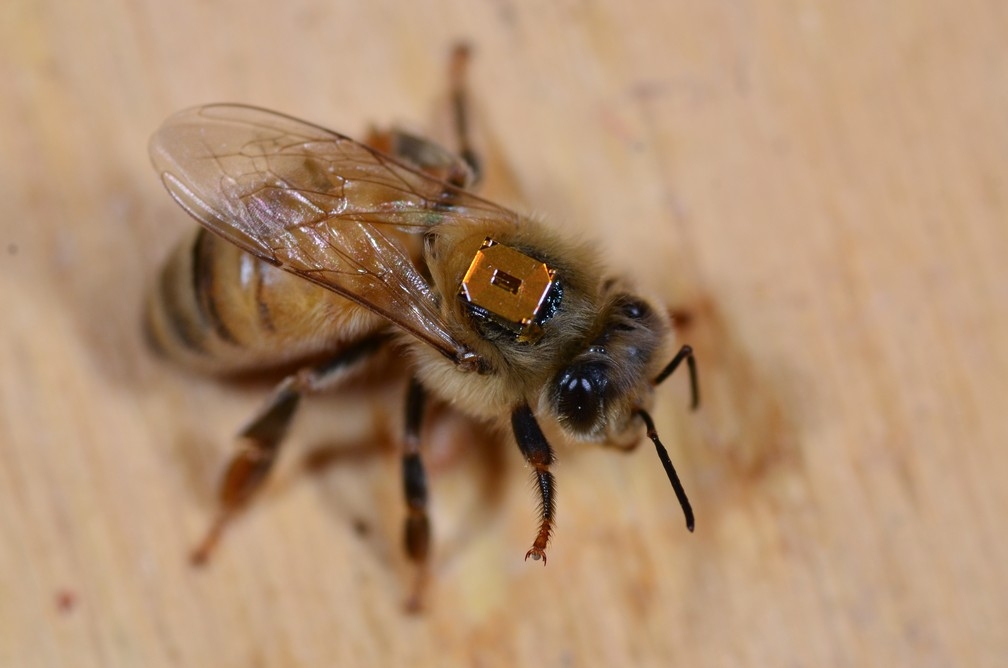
(264, 434)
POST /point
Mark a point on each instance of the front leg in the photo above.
(537, 452)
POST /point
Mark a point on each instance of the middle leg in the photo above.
(416, 528)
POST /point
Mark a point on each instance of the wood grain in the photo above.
(820, 185)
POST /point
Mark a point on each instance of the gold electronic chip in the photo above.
(508, 286)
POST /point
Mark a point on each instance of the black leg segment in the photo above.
(537, 452)
(416, 532)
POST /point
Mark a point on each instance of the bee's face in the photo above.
(601, 386)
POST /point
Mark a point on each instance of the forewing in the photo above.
(315, 203)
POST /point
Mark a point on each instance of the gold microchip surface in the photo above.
(508, 285)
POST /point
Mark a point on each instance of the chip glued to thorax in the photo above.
(511, 288)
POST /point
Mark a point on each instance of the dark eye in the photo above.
(580, 391)
(635, 309)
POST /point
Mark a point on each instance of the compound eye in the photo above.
(579, 397)
(635, 309)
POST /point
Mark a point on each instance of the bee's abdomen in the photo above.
(217, 308)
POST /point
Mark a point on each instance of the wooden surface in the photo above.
(821, 185)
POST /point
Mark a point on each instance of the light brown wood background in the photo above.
(824, 186)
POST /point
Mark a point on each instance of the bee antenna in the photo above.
(669, 469)
(685, 353)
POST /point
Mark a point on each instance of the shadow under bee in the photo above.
(463, 457)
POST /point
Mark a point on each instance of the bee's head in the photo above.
(597, 392)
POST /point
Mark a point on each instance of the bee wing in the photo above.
(317, 204)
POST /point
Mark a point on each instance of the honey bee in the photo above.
(315, 246)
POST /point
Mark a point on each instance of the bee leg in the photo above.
(416, 529)
(262, 437)
(537, 452)
(425, 155)
(460, 169)
(460, 108)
